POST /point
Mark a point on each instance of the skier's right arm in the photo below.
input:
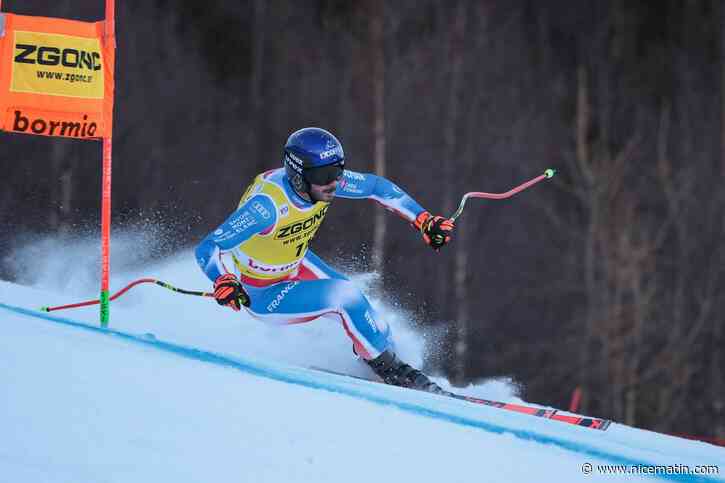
(257, 215)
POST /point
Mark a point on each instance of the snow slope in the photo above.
(180, 390)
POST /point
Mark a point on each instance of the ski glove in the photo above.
(229, 292)
(436, 230)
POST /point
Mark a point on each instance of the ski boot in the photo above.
(397, 373)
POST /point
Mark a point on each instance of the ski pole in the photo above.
(500, 196)
(126, 289)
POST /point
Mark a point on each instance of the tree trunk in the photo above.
(452, 150)
(377, 41)
(718, 361)
(61, 192)
(582, 157)
(256, 105)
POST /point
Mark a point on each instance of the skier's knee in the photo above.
(347, 294)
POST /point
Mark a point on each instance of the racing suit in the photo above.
(265, 242)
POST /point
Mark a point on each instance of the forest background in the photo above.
(609, 278)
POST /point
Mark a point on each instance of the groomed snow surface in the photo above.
(182, 390)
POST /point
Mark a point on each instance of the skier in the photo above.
(259, 257)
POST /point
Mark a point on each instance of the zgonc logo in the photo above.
(50, 56)
(57, 65)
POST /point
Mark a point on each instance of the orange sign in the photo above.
(56, 77)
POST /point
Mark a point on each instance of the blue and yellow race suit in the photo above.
(265, 242)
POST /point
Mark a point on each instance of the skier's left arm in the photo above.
(436, 230)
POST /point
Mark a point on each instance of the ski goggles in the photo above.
(325, 175)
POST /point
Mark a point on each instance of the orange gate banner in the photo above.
(56, 77)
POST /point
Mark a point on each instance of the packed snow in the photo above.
(183, 390)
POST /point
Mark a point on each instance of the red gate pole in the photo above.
(110, 36)
(105, 231)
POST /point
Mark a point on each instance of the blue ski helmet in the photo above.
(312, 155)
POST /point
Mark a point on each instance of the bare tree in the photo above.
(377, 49)
(255, 136)
(718, 359)
(61, 162)
(451, 129)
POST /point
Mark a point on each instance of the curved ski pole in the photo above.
(126, 289)
(549, 173)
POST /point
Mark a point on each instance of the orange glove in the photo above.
(228, 291)
(436, 230)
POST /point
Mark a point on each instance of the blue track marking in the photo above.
(328, 382)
